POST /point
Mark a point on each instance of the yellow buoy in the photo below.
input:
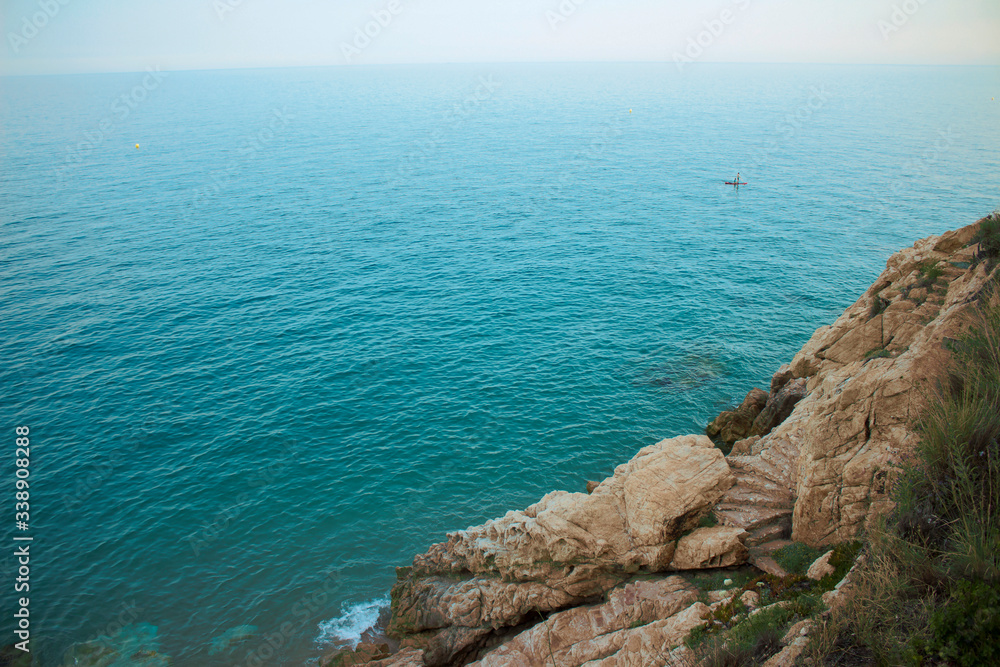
(137, 145)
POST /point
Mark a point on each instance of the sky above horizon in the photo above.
(68, 36)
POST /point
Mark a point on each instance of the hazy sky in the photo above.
(43, 36)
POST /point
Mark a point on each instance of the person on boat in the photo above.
(737, 181)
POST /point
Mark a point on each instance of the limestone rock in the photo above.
(822, 473)
(799, 629)
(407, 657)
(745, 446)
(651, 645)
(862, 410)
(779, 407)
(821, 567)
(789, 655)
(762, 500)
(362, 654)
(769, 565)
(722, 595)
(592, 486)
(562, 551)
(582, 634)
(751, 599)
(842, 591)
(720, 546)
(734, 425)
(781, 378)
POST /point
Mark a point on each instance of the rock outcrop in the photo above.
(566, 550)
(737, 424)
(584, 579)
(583, 634)
(867, 378)
(779, 405)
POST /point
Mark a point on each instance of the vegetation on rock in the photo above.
(988, 238)
(927, 592)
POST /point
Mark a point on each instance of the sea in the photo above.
(273, 332)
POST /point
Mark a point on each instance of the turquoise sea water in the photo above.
(322, 316)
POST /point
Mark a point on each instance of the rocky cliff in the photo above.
(592, 578)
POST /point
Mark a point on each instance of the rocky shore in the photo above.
(603, 578)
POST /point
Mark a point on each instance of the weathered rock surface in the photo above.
(778, 407)
(721, 546)
(650, 645)
(568, 549)
(751, 599)
(781, 378)
(407, 657)
(737, 424)
(745, 446)
(582, 634)
(821, 567)
(362, 654)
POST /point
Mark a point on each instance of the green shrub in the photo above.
(988, 238)
(714, 580)
(796, 557)
(751, 642)
(878, 353)
(878, 306)
(966, 630)
(947, 502)
(842, 559)
(930, 273)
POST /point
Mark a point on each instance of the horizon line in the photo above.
(486, 63)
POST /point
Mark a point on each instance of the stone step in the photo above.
(757, 466)
(767, 564)
(768, 534)
(783, 451)
(762, 485)
(741, 495)
(760, 556)
(749, 518)
(769, 547)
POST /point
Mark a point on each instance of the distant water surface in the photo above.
(322, 316)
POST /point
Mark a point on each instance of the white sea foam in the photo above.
(354, 619)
